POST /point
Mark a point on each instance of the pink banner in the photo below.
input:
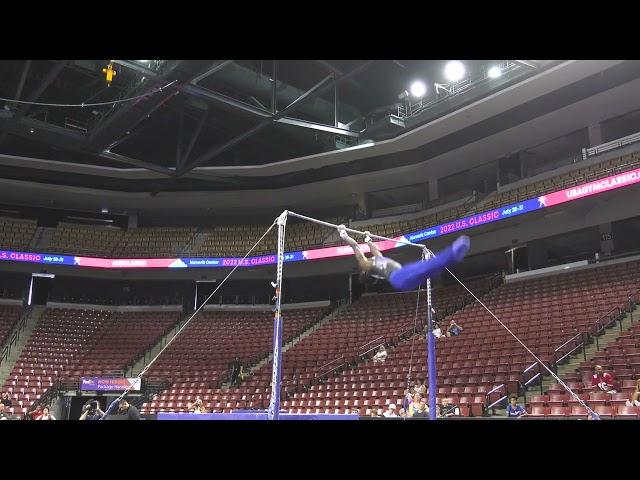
(127, 262)
(347, 250)
(591, 188)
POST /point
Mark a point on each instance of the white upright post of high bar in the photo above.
(274, 405)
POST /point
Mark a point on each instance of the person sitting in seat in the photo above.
(381, 356)
(422, 411)
(454, 329)
(634, 401)
(46, 415)
(437, 331)
(603, 381)
(6, 400)
(449, 409)
(391, 411)
(514, 410)
(197, 406)
(3, 415)
(420, 387)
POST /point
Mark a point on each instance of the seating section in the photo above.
(154, 242)
(476, 368)
(357, 331)
(73, 343)
(571, 179)
(236, 240)
(622, 358)
(16, 234)
(9, 315)
(85, 239)
(198, 361)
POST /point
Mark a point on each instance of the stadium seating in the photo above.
(16, 234)
(72, 343)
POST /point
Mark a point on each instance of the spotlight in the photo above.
(454, 71)
(494, 72)
(31, 130)
(418, 89)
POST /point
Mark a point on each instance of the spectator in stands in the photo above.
(381, 356)
(418, 407)
(91, 411)
(242, 374)
(513, 409)
(419, 387)
(35, 414)
(422, 411)
(130, 411)
(6, 400)
(197, 406)
(454, 329)
(634, 401)
(374, 412)
(602, 380)
(391, 411)
(407, 399)
(437, 331)
(3, 416)
(234, 370)
(46, 415)
(402, 413)
(448, 409)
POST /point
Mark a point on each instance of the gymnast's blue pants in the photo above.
(410, 276)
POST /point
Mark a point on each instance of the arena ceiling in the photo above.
(194, 121)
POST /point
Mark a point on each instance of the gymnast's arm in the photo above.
(363, 262)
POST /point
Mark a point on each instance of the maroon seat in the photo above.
(539, 411)
(559, 411)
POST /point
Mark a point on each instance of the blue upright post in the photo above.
(274, 405)
(431, 349)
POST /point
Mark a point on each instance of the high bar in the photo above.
(331, 225)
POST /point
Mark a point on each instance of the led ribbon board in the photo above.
(552, 199)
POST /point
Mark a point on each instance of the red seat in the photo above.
(559, 411)
(539, 400)
(539, 411)
(604, 410)
(578, 411)
(556, 400)
(625, 411)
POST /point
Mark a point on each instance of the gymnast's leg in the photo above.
(410, 276)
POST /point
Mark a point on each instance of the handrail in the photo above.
(568, 341)
(369, 343)
(341, 357)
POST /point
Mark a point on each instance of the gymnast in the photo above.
(407, 277)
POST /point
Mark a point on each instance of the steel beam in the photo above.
(137, 163)
(23, 78)
(147, 72)
(317, 126)
(211, 71)
(194, 137)
(218, 97)
(314, 92)
(337, 71)
(197, 91)
(23, 109)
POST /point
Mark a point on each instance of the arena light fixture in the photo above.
(454, 71)
(418, 89)
(494, 72)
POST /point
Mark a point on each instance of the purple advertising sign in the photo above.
(102, 384)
